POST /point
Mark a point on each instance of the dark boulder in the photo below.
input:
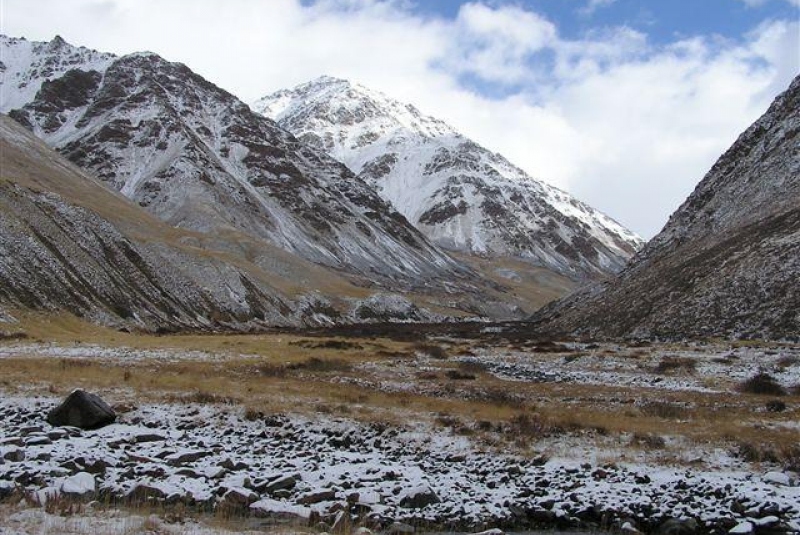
(82, 409)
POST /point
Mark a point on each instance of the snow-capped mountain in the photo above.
(199, 159)
(460, 195)
(728, 261)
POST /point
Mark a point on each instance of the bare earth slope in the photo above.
(463, 197)
(728, 261)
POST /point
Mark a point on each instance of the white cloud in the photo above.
(626, 125)
(593, 5)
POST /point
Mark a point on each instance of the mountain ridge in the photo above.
(727, 262)
(462, 196)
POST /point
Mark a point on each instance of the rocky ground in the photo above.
(453, 434)
(329, 472)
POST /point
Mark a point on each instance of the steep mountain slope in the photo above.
(198, 158)
(67, 243)
(460, 195)
(728, 261)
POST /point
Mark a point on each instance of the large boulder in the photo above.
(82, 409)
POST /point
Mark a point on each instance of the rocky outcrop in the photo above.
(83, 410)
(727, 262)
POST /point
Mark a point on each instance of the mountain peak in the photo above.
(57, 43)
(337, 107)
(462, 196)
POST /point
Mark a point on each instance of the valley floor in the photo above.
(446, 429)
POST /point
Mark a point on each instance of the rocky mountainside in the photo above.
(67, 243)
(460, 195)
(199, 159)
(728, 261)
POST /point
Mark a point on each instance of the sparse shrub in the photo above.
(762, 383)
(776, 405)
(790, 457)
(457, 375)
(787, 456)
(664, 409)
(787, 361)
(251, 415)
(755, 453)
(500, 397)
(550, 347)
(383, 353)
(269, 369)
(341, 345)
(432, 350)
(448, 420)
(204, 397)
(671, 363)
(484, 426)
(16, 335)
(318, 365)
(472, 366)
(648, 440)
(533, 425)
(428, 376)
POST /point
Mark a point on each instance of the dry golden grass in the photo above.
(280, 372)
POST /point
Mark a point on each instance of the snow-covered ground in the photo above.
(323, 469)
(212, 457)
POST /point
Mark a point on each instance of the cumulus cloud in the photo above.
(626, 125)
(495, 43)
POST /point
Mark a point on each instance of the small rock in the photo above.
(38, 440)
(780, 479)
(82, 409)
(317, 497)
(80, 484)
(418, 497)
(234, 467)
(57, 434)
(15, 456)
(743, 528)
(282, 483)
(183, 457)
(148, 437)
(766, 522)
(239, 497)
(143, 492)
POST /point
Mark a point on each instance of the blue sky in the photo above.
(662, 20)
(624, 103)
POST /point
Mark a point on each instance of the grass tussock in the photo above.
(762, 384)
(664, 409)
(431, 350)
(673, 364)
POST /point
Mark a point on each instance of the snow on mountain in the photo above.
(26, 65)
(728, 261)
(68, 243)
(462, 196)
(198, 158)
